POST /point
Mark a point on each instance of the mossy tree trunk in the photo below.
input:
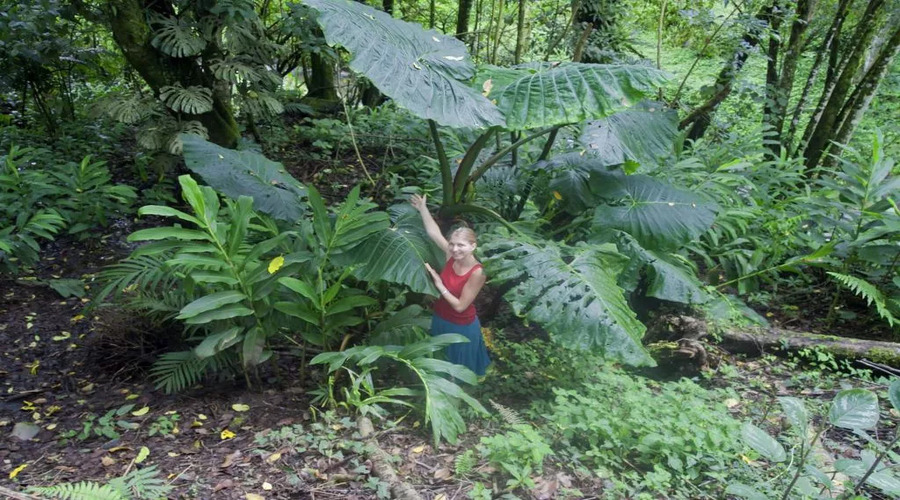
(825, 127)
(128, 20)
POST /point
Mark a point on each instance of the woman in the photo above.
(458, 283)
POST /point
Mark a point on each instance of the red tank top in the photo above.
(455, 283)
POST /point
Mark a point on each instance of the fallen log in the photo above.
(756, 342)
(381, 464)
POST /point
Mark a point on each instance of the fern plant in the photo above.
(137, 484)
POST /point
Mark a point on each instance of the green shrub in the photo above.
(520, 452)
(649, 436)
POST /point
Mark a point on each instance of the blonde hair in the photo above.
(466, 233)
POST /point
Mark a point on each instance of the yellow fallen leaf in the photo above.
(557, 195)
(419, 449)
(267, 486)
(142, 455)
(132, 396)
(119, 448)
(273, 457)
(15, 472)
(276, 264)
(201, 416)
(227, 434)
(77, 318)
(51, 427)
(254, 496)
(172, 454)
(440, 496)
(240, 407)
(140, 413)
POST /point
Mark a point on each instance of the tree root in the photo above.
(381, 464)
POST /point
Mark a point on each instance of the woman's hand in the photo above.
(436, 277)
(418, 202)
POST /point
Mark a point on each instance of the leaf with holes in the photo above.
(193, 100)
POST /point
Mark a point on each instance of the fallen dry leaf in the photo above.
(107, 461)
(254, 496)
(223, 485)
(442, 473)
(229, 459)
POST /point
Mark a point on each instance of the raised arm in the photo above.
(431, 227)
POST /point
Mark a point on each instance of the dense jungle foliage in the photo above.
(206, 203)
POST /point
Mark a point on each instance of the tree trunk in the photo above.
(602, 16)
(826, 127)
(132, 33)
(498, 30)
(862, 96)
(761, 341)
(776, 15)
(520, 33)
(825, 48)
(462, 19)
(431, 14)
(701, 117)
(785, 83)
(321, 79)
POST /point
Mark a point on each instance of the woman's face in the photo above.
(460, 248)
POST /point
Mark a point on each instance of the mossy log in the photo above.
(758, 342)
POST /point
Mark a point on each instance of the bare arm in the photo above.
(431, 227)
(469, 291)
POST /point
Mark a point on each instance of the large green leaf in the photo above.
(398, 254)
(658, 215)
(643, 134)
(668, 276)
(854, 409)
(763, 443)
(420, 70)
(246, 173)
(573, 92)
(210, 302)
(572, 293)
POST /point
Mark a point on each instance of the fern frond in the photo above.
(509, 415)
(193, 100)
(177, 37)
(143, 483)
(869, 292)
(465, 463)
(85, 490)
(176, 371)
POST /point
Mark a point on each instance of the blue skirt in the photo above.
(472, 354)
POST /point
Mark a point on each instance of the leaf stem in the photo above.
(503, 152)
(812, 443)
(446, 175)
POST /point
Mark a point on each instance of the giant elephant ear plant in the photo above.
(430, 75)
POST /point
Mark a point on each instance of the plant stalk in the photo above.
(446, 175)
(503, 152)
